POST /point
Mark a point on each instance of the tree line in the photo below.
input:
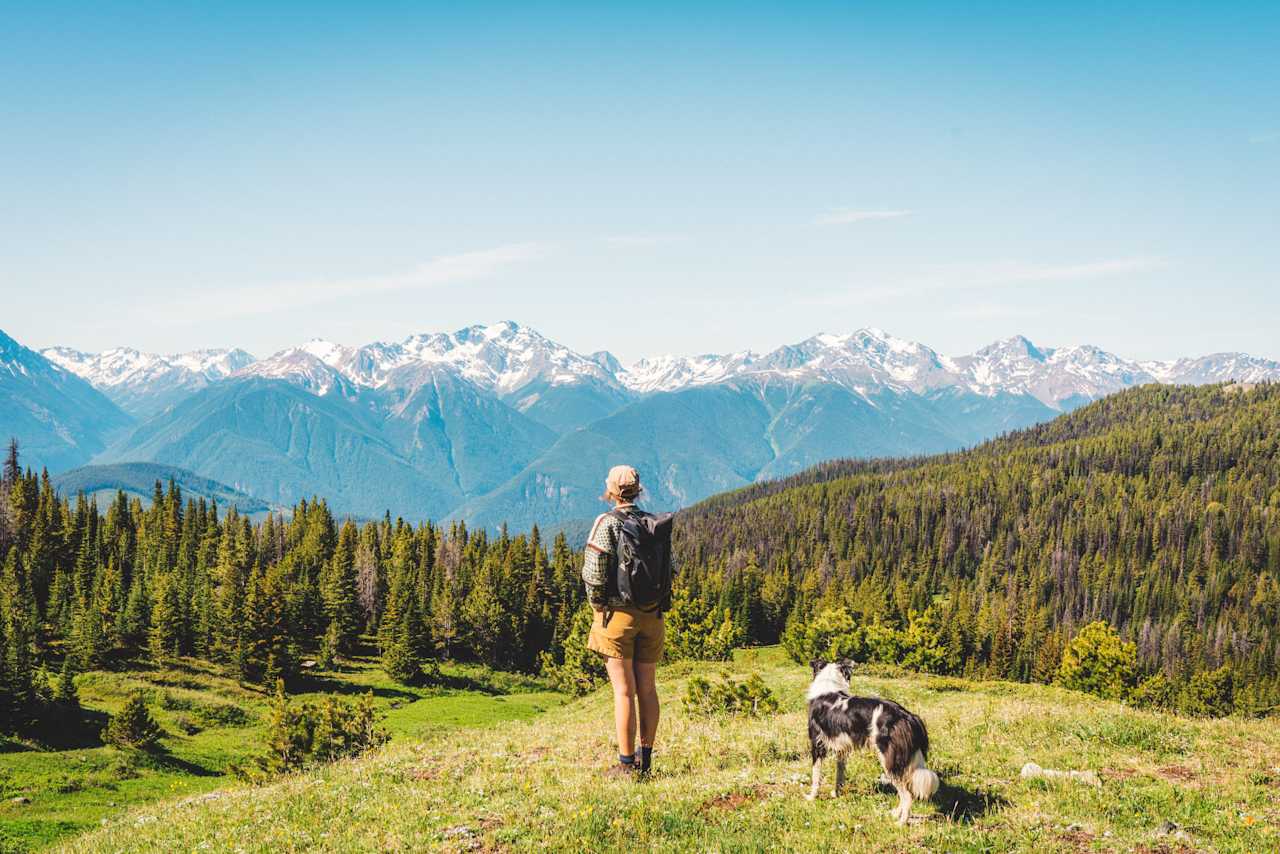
(84, 587)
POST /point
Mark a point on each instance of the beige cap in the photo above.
(623, 482)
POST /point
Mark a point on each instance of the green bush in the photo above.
(1155, 692)
(698, 631)
(312, 733)
(582, 669)
(1209, 694)
(133, 728)
(922, 646)
(749, 698)
(400, 659)
(831, 635)
(1098, 662)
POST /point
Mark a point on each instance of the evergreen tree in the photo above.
(166, 619)
(1098, 662)
(133, 728)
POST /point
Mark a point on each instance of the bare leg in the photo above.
(646, 676)
(622, 678)
(839, 776)
(817, 780)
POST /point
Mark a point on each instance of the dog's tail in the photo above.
(921, 780)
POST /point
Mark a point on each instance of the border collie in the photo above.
(840, 723)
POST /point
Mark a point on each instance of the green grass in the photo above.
(211, 722)
(738, 785)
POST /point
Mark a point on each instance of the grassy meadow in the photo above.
(1169, 784)
(73, 783)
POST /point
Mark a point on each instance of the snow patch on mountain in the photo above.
(125, 366)
(501, 358)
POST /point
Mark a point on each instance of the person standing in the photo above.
(627, 570)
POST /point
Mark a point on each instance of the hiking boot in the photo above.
(619, 771)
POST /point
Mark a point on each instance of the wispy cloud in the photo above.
(636, 241)
(1263, 137)
(957, 277)
(845, 216)
(443, 270)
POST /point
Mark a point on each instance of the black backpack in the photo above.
(644, 559)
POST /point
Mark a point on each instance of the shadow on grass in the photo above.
(86, 731)
(313, 683)
(162, 760)
(462, 682)
(960, 804)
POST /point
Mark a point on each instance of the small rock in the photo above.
(1072, 828)
(21, 799)
(143, 820)
(1166, 827)
(459, 832)
(1031, 769)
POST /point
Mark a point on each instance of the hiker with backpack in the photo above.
(627, 570)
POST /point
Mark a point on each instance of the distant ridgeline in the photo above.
(1156, 510)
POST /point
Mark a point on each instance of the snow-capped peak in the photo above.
(125, 366)
(506, 357)
(502, 358)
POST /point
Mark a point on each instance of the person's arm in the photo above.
(595, 563)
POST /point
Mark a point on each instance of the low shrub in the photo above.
(748, 698)
(298, 736)
(581, 670)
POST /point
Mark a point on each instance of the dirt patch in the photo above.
(1181, 773)
(732, 800)
(1165, 848)
(1079, 840)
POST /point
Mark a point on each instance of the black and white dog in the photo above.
(839, 723)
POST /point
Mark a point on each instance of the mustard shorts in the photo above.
(631, 633)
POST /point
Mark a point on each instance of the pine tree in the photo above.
(341, 603)
(400, 658)
(133, 728)
(12, 468)
(166, 619)
(65, 697)
(288, 736)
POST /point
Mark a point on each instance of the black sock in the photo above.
(626, 760)
(644, 757)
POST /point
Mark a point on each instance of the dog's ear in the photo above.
(816, 665)
(846, 668)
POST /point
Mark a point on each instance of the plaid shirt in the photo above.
(600, 560)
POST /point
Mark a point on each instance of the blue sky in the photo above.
(654, 178)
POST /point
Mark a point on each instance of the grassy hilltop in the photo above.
(1169, 784)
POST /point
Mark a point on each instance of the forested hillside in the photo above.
(1156, 510)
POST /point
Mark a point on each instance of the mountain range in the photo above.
(499, 423)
